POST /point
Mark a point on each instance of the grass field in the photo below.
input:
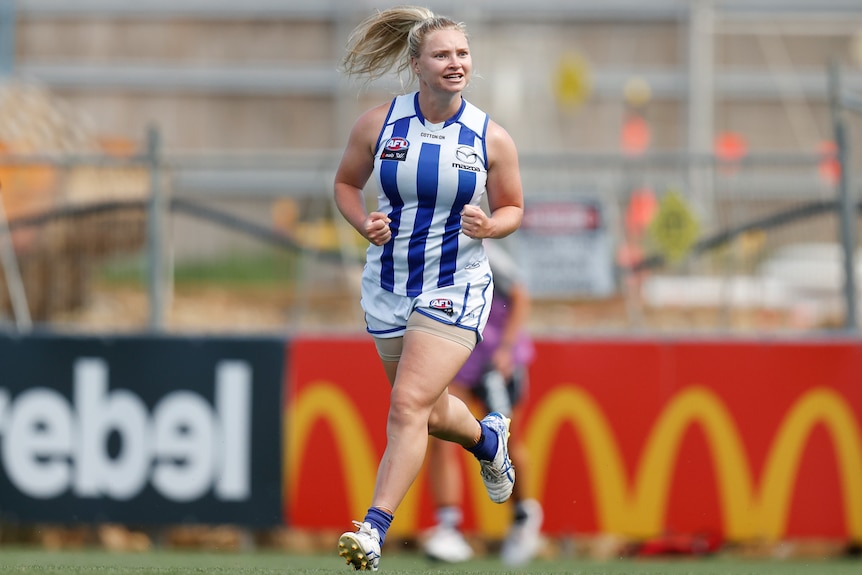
(38, 562)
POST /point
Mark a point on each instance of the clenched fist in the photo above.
(376, 228)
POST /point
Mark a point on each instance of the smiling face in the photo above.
(445, 63)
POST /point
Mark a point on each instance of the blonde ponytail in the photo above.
(389, 38)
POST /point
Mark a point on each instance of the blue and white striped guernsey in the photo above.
(426, 174)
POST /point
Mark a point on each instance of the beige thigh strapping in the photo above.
(421, 322)
(389, 349)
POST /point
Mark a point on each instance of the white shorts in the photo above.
(465, 304)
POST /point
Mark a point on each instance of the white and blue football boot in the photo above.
(361, 548)
(499, 474)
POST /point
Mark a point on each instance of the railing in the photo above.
(203, 209)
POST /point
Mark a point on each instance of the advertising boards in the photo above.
(140, 430)
(741, 439)
(565, 248)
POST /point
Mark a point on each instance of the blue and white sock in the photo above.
(486, 448)
(379, 520)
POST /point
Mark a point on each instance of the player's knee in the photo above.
(406, 407)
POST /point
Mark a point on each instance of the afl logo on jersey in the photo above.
(395, 149)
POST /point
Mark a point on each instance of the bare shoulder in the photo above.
(366, 129)
(373, 118)
(500, 143)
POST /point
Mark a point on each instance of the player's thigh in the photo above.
(428, 364)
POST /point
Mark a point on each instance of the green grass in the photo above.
(25, 560)
(267, 267)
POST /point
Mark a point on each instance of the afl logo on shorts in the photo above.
(395, 149)
(442, 304)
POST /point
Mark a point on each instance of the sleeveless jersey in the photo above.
(425, 176)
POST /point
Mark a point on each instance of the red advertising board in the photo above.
(742, 439)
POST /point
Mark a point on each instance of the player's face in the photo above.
(445, 62)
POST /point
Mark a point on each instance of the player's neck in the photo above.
(437, 109)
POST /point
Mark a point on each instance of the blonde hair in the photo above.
(389, 38)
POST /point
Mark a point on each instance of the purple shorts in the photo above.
(478, 363)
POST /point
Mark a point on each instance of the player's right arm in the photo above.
(356, 166)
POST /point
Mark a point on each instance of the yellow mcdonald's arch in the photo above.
(818, 406)
(639, 509)
(358, 460)
(356, 453)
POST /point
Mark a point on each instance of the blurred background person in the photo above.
(496, 376)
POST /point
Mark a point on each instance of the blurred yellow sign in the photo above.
(675, 229)
(572, 81)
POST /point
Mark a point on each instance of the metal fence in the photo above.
(205, 242)
(253, 242)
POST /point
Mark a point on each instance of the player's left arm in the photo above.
(505, 193)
